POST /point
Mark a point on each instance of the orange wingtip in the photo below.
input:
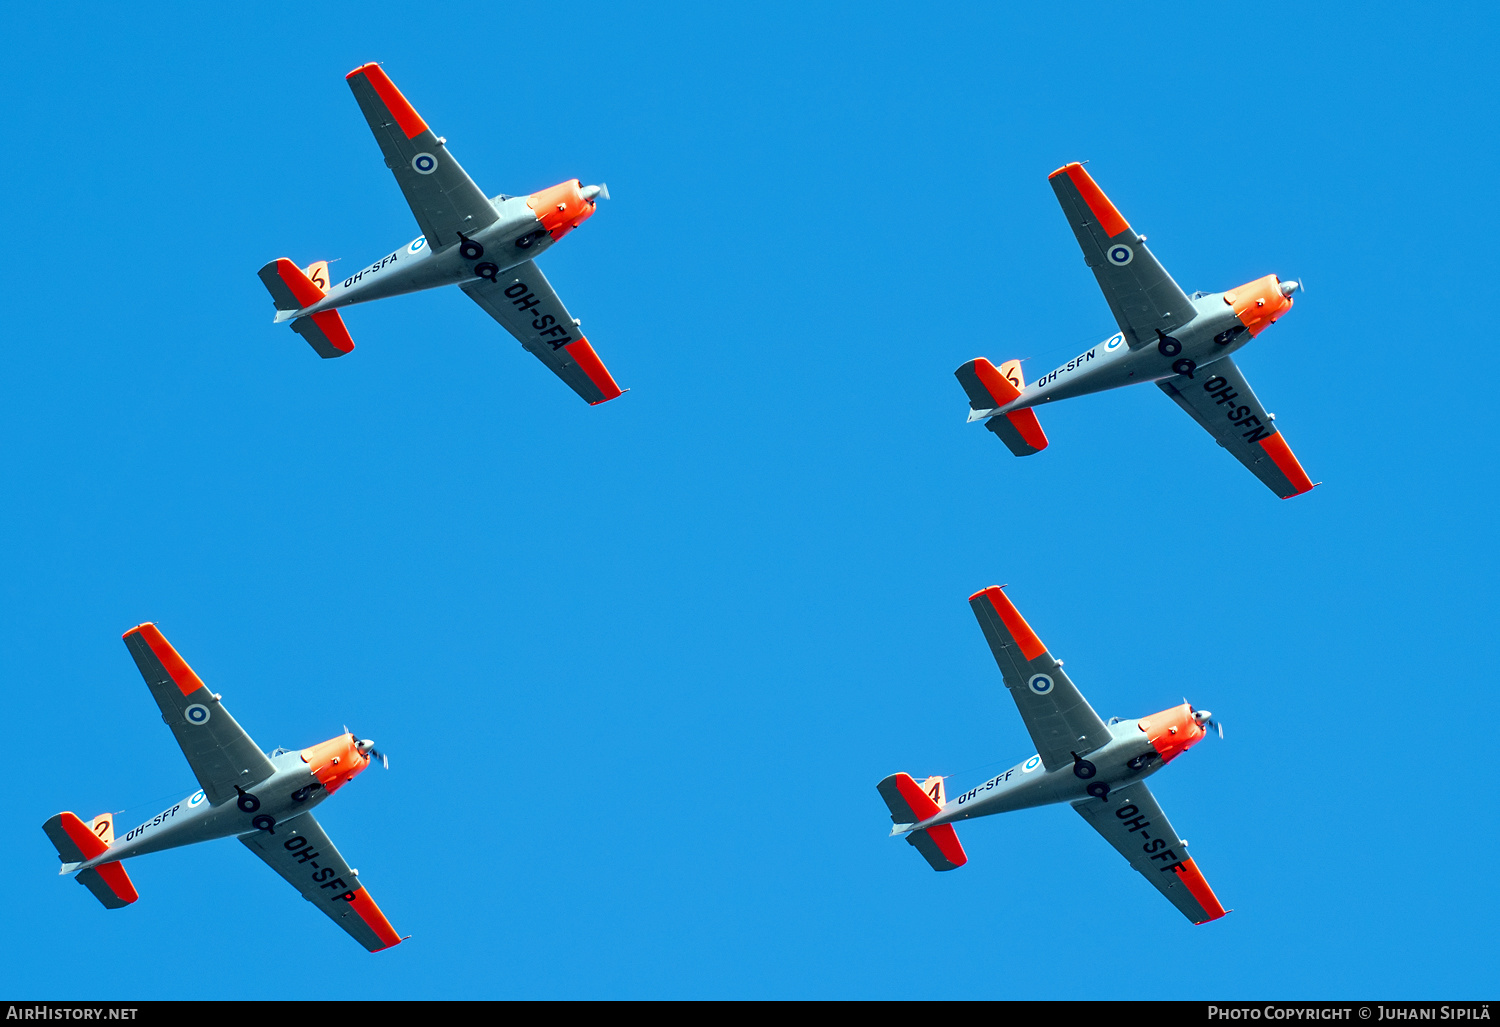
(1110, 219)
(371, 915)
(1192, 877)
(1031, 646)
(182, 675)
(1281, 455)
(589, 361)
(405, 114)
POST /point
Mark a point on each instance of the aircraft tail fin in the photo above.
(293, 289)
(911, 803)
(990, 388)
(76, 843)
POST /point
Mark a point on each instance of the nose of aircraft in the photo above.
(1287, 288)
(590, 192)
(364, 745)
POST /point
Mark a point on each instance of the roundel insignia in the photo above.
(196, 714)
(1031, 764)
(197, 799)
(426, 164)
(1114, 341)
(1041, 684)
(417, 244)
(1119, 254)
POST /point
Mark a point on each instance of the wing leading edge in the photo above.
(302, 852)
(1133, 822)
(524, 303)
(220, 752)
(441, 194)
(1060, 720)
(1219, 398)
(1140, 293)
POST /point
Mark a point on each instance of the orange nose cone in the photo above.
(1173, 732)
(561, 208)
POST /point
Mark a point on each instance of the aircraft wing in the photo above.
(1140, 293)
(1131, 821)
(302, 852)
(525, 305)
(443, 197)
(1060, 720)
(221, 754)
(1219, 398)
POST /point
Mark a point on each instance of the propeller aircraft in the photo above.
(486, 245)
(1182, 343)
(264, 801)
(1097, 767)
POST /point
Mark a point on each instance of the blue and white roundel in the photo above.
(1114, 341)
(196, 714)
(1119, 254)
(1031, 764)
(417, 244)
(424, 163)
(196, 799)
(1041, 684)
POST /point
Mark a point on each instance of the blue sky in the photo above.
(639, 667)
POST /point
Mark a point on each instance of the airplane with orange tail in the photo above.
(263, 800)
(1098, 767)
(485, 245)
(1182, 343)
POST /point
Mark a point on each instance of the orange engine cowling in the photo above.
(1259, 303)
(335, 762)
(561, 208)
(1173, 732)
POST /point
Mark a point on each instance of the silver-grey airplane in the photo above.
(1098, 767)
(485, 245)
(265, 801)
(1182, 343)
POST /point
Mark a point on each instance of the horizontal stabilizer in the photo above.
(325, 333)
(110, 885)
(910, 803)
(990, 388)
(74, 842)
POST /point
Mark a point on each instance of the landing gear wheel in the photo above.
(1137, 763)
(265, 823)
(1085, 769)
(247, 803)
(1098, 789)
(1185, 366)
(1169, 346)
(469, 249)
(301, 794)
(525, 241)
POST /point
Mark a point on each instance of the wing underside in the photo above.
(525, 304)
(221, 754)
(301, 851)
(1220, 399)
(1131, 820)
(1140, 293)
(442, 196)
(1060, 720)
